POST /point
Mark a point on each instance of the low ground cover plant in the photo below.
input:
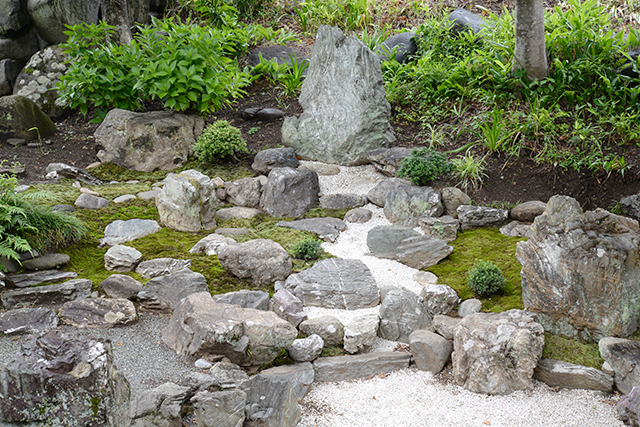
(425, 165)
(219, 141)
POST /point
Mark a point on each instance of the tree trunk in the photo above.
(116, 13)
(530, 52)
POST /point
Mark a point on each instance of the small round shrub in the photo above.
(425, 165)
(219, 140)
(486, 278)
(307, 249)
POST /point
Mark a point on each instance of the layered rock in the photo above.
(262, 261)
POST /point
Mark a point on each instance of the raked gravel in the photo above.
(408, 398)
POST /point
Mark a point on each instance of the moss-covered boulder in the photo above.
(22, 118)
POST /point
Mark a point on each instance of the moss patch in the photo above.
(489, 245)
(573, 351)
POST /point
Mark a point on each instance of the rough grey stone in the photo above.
(439, 299)
(89, 201)
(624, 356)
(232, 231)
(124, 231)
(446, 325)
(261, 261)
(290, 192)
(13, 16)
(19, 117)
(342, 201)
(388, 160)
(358, 215)
(378, 194)
(271, 402)
(430, 351)
(628, 407)
(98, 312)
(516, 229)
(227, 375)
(20, 47)
(400, 47)
(46, 295)
(345, 284)
(425, 278)
(383, 240)
(258, 300)
(45, 276)
(322, 169)
(161, 267)
(9, 70)
(210, 244)
(271, 158)
(444, 228)
(220, 408)
(27, 321)
(244, 192)
(299, 375)
(124, 198)
(481, 216)
(527, 211)
(269, 114)
(327, 229)
(120, 286)
(463, 20)
(360, 333)
(289, 307)
(453, 198)
(329, 328)
(401, 313)
(237, 212)
(306, 349)
(159, 407)
(405, 204)
(556, 373)
(422, 251)
(121, 258)
(75, 173)
(165, 292)
(282, 54)
(469, 306)
(345, 368)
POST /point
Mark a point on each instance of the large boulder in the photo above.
(329, 328)
(628, 407)
(345, 368)
(439, 299)
(401, 313)
(624, 358)
(21, 46)
(244, 192)
(225, 408)
(430, 351)
(51, 16)
(13, 16)
(245, 298)
(188, 202)
(98, 312)
(360, 333)
(346, 113)
(159, 407)
(248, 337)
(165, 292)
(120, 231)
(27, 321)
(64, 380)
(271, 402)
(496, 353)
(290, 192)
(47, 295)
(261, 260)
(148, 141)
(406, 204)
(345, 284)
(378, 194)
(20, 117)
(581, 271)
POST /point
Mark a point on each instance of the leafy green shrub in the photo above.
(287, 77)
(219, 140)
(424, 165)
(486, 278)
(307, 249)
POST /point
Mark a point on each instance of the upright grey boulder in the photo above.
(148, 141)
(346, 113)
(64, 380)
(581, 271)
(290, 192)
(624, 357)
(261, 260)
(496, 353)
(271, 402)
(402, 313)
(187, 202)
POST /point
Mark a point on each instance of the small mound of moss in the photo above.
(572, 351)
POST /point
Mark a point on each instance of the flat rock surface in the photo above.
(327, 229)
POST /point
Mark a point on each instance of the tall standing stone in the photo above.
(346, 113)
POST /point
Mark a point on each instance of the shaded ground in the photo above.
(508, 181)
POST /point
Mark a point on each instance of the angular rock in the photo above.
(360, 333)
(187, 202)
(220, 408)
(401, 313)
(383, 240)
(306, 349)
(346, 113)
(469, 306)
(46, 295)
(124, 231)
(624, 357)
(98, 312)
(25, 280)
(327, 229)
(439, 299)
(288, 307)
(89, 201)
(630, 206)
(628, 407)
(322, 169)
(210, 244)
(161, 267)
(121, 258)
(527, 211)
(165, 292)
(329, 328)
(299, 375)
(400, 47)
(148, 141)
(258, 300)
(342, 201)
(237, 212)
(484, 341)
(422, 251)
(271, 158)
(516, 229)
(227, 375)
(388, 160)
(345, 368)
(445, 228)
(378, 194)
(453, 198)
(20, 117)
(261, 261)
(405, 204)
(159, 407)
(271, 402)
(346, 284)
(72, 172)
(244, 192)
(120, 286)
(64, 380)
(429, 350)
(481, 216)
(581, 271)
(148, 195)
(556, 373)
(358, 215)
(425, 278)
(290, 192)
(247, 337)
(446, 325)
(27, 321)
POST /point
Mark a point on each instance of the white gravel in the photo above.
(415, 398)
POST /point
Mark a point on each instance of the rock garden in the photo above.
(307, 225)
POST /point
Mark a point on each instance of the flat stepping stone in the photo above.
(165, 292)
(161, 267)
(46, 262)
(124, 231)
(27, 321)
(25, 280)
(345, 368)
(47, 295)
(124, 198)
(89, 201)
(98, 312)
(326, 229)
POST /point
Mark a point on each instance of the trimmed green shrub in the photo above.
(425, 165)
(218, 141)
(307, 249)
(486, 278)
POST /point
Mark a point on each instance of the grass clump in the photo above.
(425, 165)
(486, 278)
(572, 351)
(219, 141)
(483, 244)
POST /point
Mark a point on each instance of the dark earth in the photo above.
(509, 180)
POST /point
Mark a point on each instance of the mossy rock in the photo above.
(22, 118)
